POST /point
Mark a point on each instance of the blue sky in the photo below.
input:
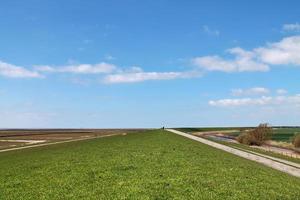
(96, 64)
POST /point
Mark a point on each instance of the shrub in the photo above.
(296, 140)
(245, 138)
(256, 136)
(262, 133)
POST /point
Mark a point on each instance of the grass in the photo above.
(285, 134)
(152, 165)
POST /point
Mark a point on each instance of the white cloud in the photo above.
(291, 27)
(281, 91)
(80, 68)
(109, 57)
(12, 71)
(261, 101)
(243, 61)
(132, 69)
(45, 68)
(210, 31)
(250, 91)
(284, 52)
(115, 74)
(136, 74)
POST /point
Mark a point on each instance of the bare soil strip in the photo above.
(270, 162)
(60, 142)
(271, 146)
(25, 141)
(272, 158)
(279, 150)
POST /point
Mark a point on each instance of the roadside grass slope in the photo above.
(152, 165)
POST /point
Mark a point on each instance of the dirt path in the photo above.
(60, 142)
(269, 161)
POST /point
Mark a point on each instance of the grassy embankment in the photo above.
(153, 165)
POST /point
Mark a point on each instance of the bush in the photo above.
(257, 136)
(296, 140)
(245, 138)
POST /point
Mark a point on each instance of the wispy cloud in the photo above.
(115, 74)
(13, 71)
(250, 92)
(291, 27)
(261, 101)
(109, 73)
(206, 29)
(266, 99)
(138, 75)
(109, 57)
(281, 91)
(100, 68)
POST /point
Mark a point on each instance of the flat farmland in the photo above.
(25, 137)
(149, 165)
(285, 134)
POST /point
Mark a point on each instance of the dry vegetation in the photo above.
(256, 136)
(296, 140)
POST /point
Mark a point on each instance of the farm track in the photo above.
(275, 163)
(60, 142)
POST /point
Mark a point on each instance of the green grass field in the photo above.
(285, 134)
(152, 165)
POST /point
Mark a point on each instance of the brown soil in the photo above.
(53, 135)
